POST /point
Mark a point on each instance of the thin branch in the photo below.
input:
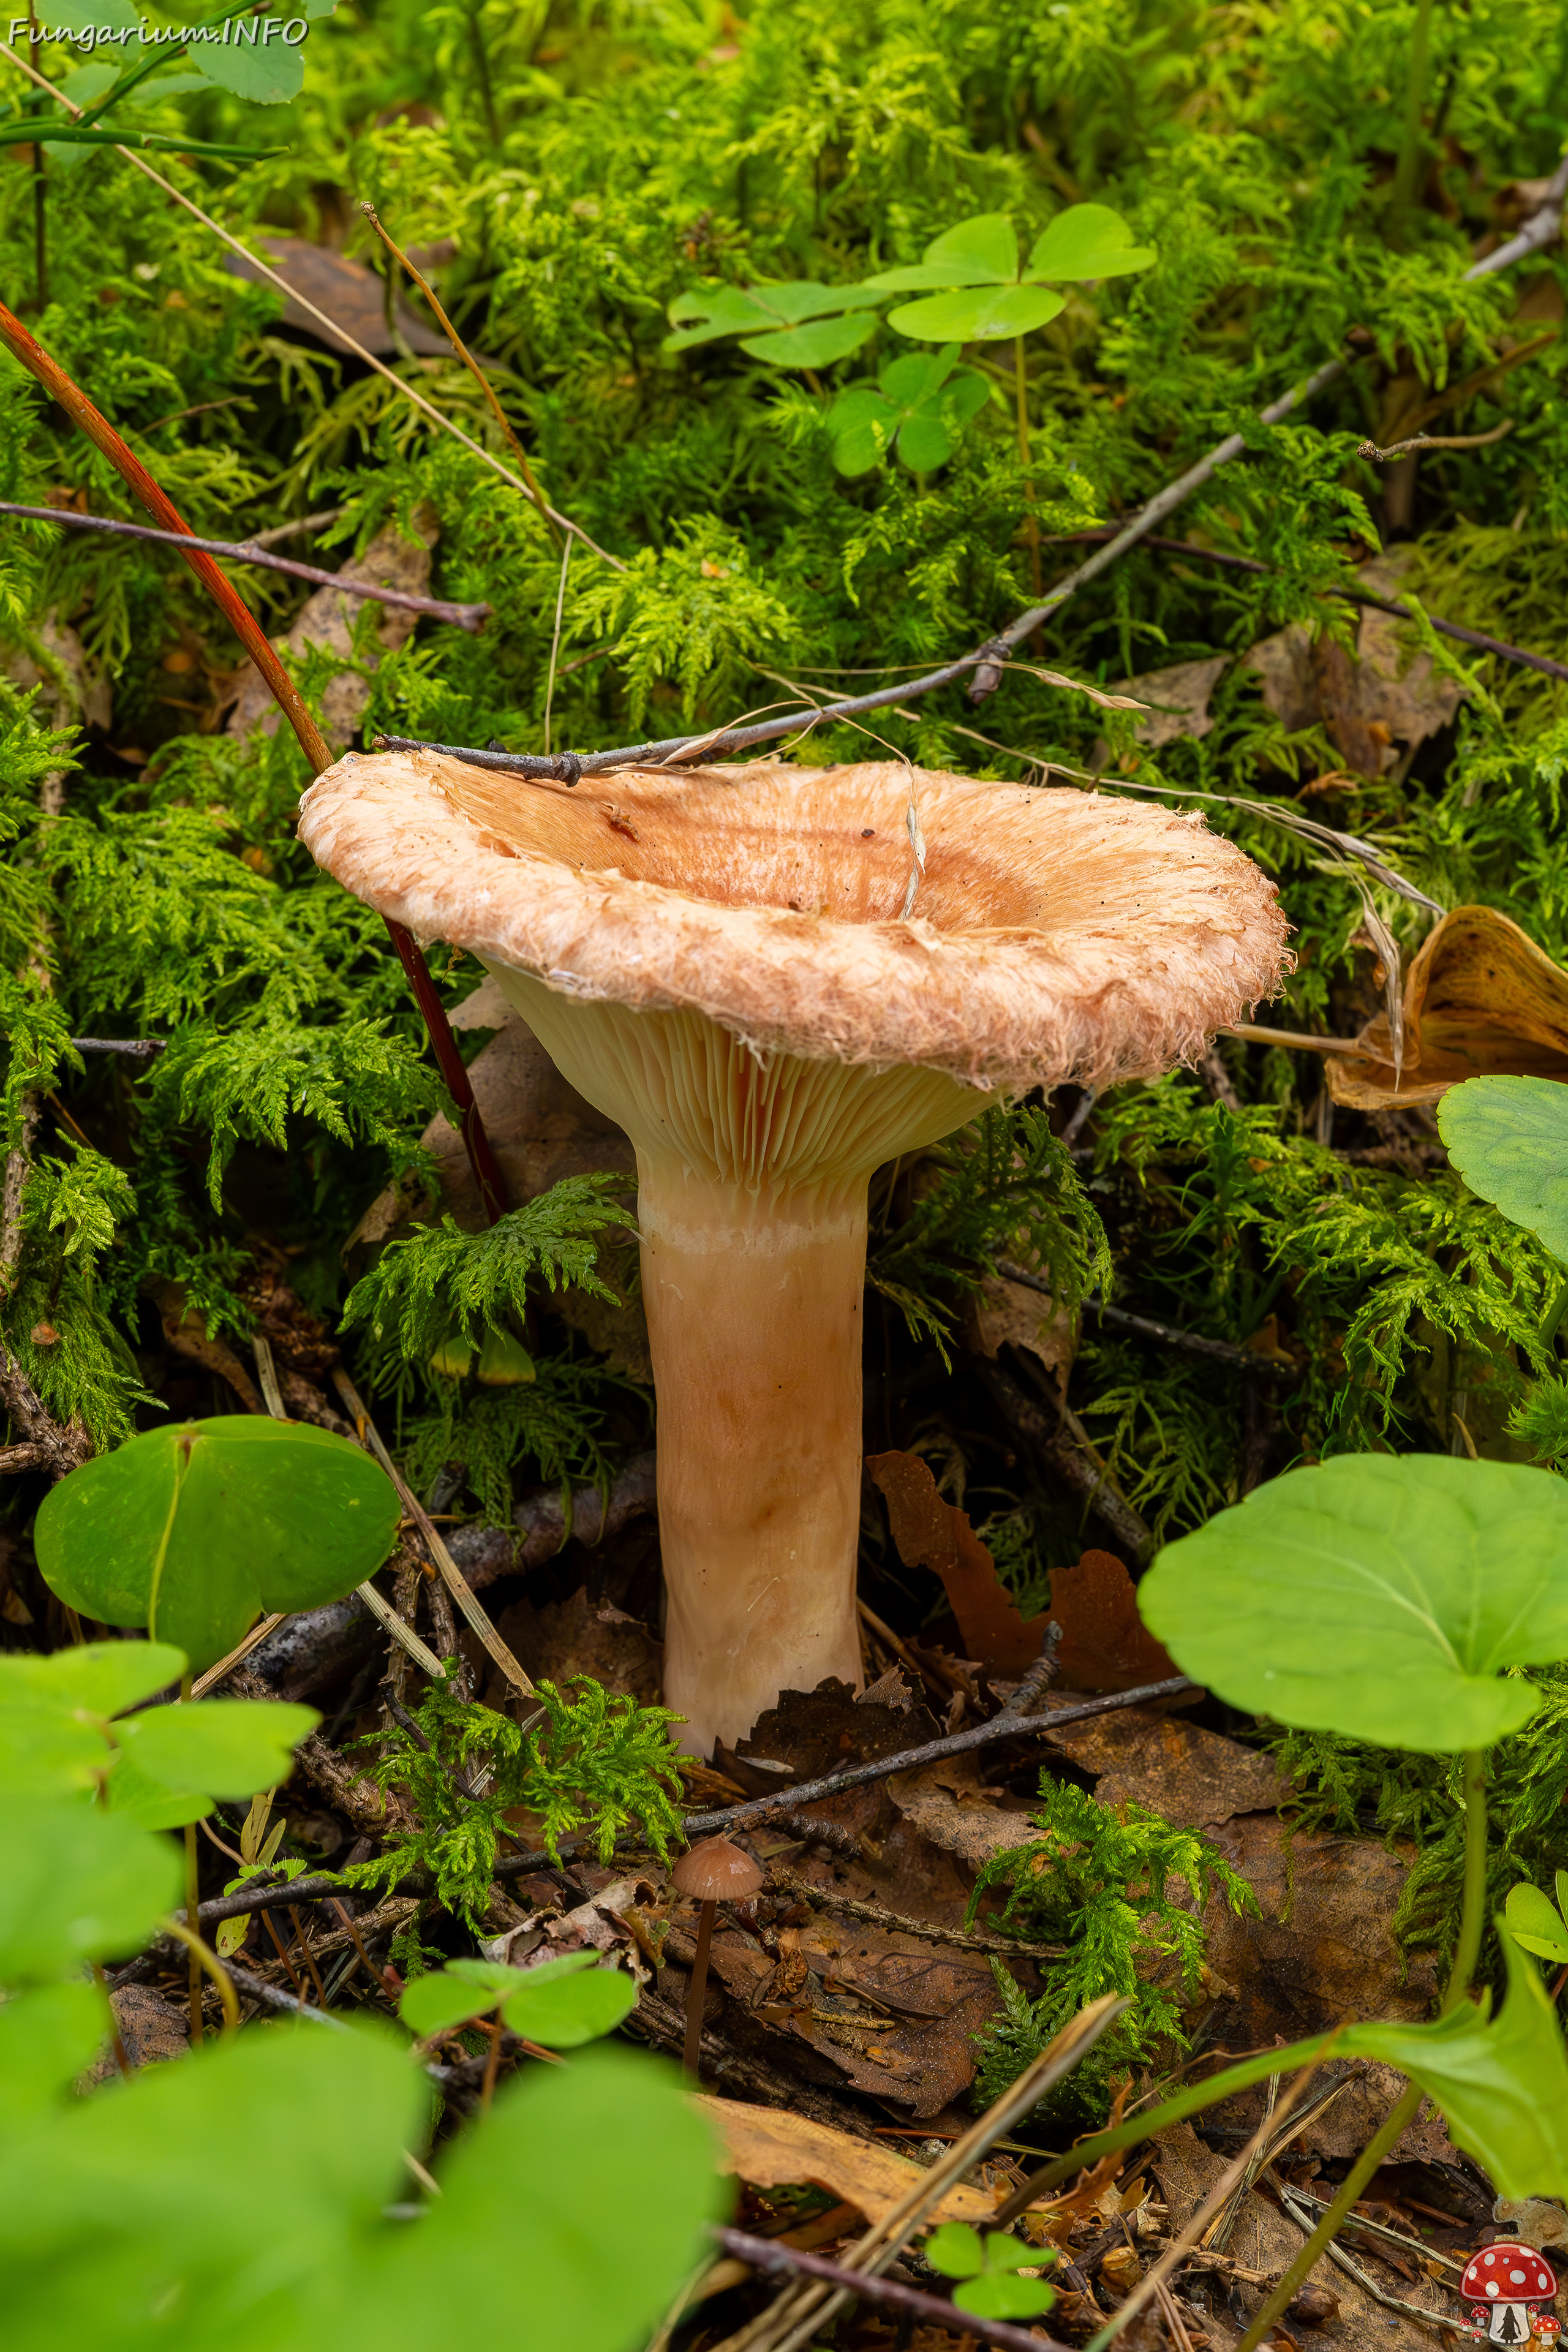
(772, 2259)
(340, 334)
(138, 1049)
(1240, 1359)
(1540, 229)
(462, 617)
(480, 378)
(873, 1914)
(1420, 442)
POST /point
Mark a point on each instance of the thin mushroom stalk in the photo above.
(747, 968)
(717, 1870)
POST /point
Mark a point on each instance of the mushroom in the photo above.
(712, 1873)
(1500, 2284)
(731, 963)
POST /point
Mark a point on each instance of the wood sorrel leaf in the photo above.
(983, 314)
(194, 1531)
(76, 1884)
(1377, 1596)
(1507, 1137)
(1087, 241)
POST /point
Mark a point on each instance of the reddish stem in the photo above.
(47, 372)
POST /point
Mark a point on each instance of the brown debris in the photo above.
(1105, 1643)
(1480, 999)
(1195, 1777)
(930, 1533)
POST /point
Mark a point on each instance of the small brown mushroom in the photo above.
(715, 1872)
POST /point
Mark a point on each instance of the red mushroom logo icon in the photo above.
(1502, 2284)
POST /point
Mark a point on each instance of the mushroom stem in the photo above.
(691, 2057)
(754, 1321)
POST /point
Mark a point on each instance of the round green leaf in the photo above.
(77, 1884)
(224, 1748)
(1509, 1140)
(988, 315)
(1377, 1596)
(194, 1532)
(563, 2012)
(267, 75)
(814, 346)
(1087, 241)
(46, 2038)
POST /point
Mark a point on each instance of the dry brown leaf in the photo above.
(1480, 998)
(1193, 1777)
(346, 290)
(571, 1637)
(1004, 1313)
(1105, 1645)
(930, 1533)
(1176, 701)
(771, 2150)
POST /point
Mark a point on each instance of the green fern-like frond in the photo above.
(441, 1279)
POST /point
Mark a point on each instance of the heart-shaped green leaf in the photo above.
(154, 1806)
(753, 309)
(1000, 2294)
(933, 428)
(563, 2011)
(1377, 1596)
(449, 1996)
(1509, 1140)
(985, 315)
(224, 1748)
(54, 1710)
(814, 346)
(77, 1884)
(194, 1531)
(1087, 241)
(864, 425)
(1534, 1921)
(982, 251)
(955, 2250)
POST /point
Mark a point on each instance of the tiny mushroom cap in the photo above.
(1508, 2273)
(717, 1872)
(776, 980)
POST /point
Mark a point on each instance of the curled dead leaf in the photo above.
(1480, 998)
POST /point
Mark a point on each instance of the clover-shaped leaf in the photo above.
(1507, 1137)
(1377, 1596)
(919, 407)
(194, 1531)
(775, 321)
(560, 2004)
(1533, 1920)
(1004, 297)
(987, 2269)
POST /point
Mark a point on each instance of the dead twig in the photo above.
(1307, 2222)
(462, 617)
(827, 1899)
(1424, 441)
(771, 2258)
(480, 378)
(1241, 1360)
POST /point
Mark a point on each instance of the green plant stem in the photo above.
(1411, 145)
(1552, 1321)
(193, 1898)
(1473, 1918)
(1031, 524)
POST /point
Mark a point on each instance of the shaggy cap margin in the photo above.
(1057, 934)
